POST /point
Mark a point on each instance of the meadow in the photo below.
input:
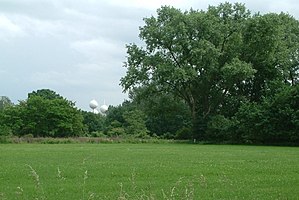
(148, 171)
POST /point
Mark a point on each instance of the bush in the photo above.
(98, 134)
(273, 121)
(218, 128)
(5, 130)
(184, 133)
(116, 131)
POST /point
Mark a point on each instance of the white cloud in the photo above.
(8, 28)
(100, 49)
(81, 15)
(6, 24)
(152, 4)
(41, 28)
(93, 68)
(22, 25)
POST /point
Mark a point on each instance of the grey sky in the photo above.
(77, 47)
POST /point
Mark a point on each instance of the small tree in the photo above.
(43, 115)
(54, 117)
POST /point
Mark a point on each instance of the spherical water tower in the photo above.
(93, 104)
(104, 109)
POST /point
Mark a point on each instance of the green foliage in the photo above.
(93, 122)
(135, 123)
(184, 133)
(115, 113)
(126, 119)
(164, 113)
(223, 63)
(5, 130)
(51, 117)
(218, 129)
(275, 120)
(193, 55)
(43, 116)
(45, 94)
(12, 117)
(115, 129)
(271, 43)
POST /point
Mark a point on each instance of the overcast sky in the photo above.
(77, 47)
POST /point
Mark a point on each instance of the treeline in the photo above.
(47, 114)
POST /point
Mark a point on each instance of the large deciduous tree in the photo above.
(195, 55)
(213, 58)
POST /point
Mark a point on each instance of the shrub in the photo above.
(116, 131)
(183, 133)
(5, 130)
(218, 128)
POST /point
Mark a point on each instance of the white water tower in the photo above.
(104, 109)
(93, 104)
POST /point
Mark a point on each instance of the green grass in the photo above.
(148, 171)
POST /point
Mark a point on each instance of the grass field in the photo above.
(148, 171)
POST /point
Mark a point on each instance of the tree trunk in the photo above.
(199, 122)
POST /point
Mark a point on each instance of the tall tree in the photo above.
(194, 55)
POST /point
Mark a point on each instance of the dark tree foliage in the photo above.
(126, 119)
(275, 120)
(11, 120)
(165, 114)
(46, 94)
(115, 113)
(271, 44)
(93, 122)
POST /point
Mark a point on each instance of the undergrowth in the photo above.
(78, 140)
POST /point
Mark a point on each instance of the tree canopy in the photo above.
(214, 60)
